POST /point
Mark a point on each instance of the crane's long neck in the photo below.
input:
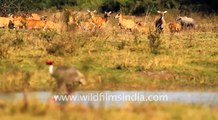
(51, 69)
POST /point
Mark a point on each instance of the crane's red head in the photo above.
(49, 62)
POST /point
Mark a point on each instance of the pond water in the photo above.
(119, 98)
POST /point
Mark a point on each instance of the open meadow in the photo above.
(144, 58)
(112, 58)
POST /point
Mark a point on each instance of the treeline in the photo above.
(136, 7)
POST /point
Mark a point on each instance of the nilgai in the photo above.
(186, 22)
(67, 78)
(160, 22)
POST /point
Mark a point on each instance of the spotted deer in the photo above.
(99, 21)
(174, 27)
(126, 24)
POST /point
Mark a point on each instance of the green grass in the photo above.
(111, 59)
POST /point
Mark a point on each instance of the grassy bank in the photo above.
(110, 59)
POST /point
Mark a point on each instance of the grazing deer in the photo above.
(125, 23)
(141, 27)
(174, 27)
(160, 22)
(19, 21)
(35, 24)
(186, 22)
(40, 25)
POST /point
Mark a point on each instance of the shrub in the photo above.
(154, 42)
(47, 35)
(4, 48)
(110, 5)
(65, 44)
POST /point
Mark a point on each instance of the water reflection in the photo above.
(99, 98)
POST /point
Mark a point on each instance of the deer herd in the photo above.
(35, 21)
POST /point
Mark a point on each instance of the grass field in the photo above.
(112, 59)
(183, 61)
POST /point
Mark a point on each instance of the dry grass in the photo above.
(111, 59)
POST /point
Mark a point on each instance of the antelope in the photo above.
(186, 22)
(174, 27)
(160, 22)
(125, 23)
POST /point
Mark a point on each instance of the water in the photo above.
(119, 98)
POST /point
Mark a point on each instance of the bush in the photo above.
(4, 48)
(66, 44)
(136, 7)
(47, 35)
(154, 42)
(111, 5)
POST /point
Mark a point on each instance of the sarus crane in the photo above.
(67, 78)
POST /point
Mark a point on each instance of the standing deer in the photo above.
(125, 23)
(99, 21)
(160, 22)
(4, 22)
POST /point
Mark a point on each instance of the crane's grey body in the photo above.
(68, 78)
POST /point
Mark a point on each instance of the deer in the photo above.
(160, 22)
(4, 22)
(142, 28)
(126, 24)
(83, 25)
(19, 22)
(174, 27)
(99, 21)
